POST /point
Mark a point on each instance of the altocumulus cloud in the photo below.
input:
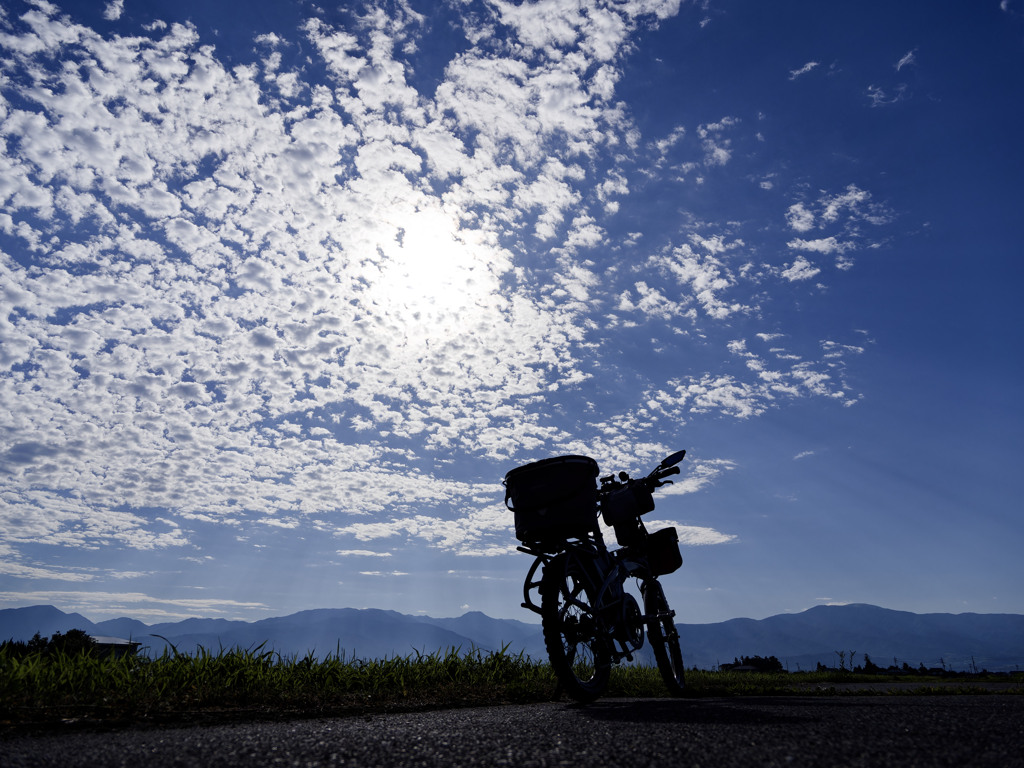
(301, 295)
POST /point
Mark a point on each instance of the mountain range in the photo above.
(962, 641)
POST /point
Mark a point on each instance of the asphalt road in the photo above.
(875, 731)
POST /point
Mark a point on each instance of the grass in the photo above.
(57, 688)
(49, 688)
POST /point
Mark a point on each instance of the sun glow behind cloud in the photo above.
(434, 274)
(299, 296)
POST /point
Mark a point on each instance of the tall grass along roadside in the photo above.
(48, 688)
(63, 687)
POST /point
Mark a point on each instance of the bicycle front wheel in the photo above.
(664, 638)
(572, 634)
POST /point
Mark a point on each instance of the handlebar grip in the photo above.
(654, 480)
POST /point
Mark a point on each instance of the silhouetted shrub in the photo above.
(73, 642)
(754, 664)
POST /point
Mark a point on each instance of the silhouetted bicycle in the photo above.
(589, 614)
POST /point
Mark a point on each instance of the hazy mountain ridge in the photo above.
(960, 641)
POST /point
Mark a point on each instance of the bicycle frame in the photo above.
(590, 615)
(610, 570)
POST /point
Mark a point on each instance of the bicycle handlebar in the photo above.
(658, 474)
(654, 480)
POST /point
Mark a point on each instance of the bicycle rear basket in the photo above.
(663, 551)
(553, 499)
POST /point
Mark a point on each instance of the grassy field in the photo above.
(56, 688)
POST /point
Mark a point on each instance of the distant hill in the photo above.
(801, 640)
(357, 633)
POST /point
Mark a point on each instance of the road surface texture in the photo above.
(875, 731)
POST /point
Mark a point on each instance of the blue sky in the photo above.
(285, 292)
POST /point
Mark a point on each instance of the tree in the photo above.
(759, 663)
(763, 664)
(75, 641)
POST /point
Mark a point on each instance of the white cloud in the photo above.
(101, 605)
(795, 73)
(833, 349)
(662, 146)
(553, 26)
(701, 266)
(765, 385)
(482, 529)
(843, 212)
(237, 296)
(800, 269)
(851, 200)
(692, 535)
(799, 218)
(721, 393)
(10, 566)
(716, 145)
(113, 10)
(852, 205)
(362, 553)
(651, 302)
(819, 245)
(910, 57)
(879, 97)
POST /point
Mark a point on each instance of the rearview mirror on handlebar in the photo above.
(672, 460)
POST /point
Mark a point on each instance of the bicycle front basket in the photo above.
(627, 503)
(553, 499)
(663, 551)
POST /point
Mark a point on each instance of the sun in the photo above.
(436, 274)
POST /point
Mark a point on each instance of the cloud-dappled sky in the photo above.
(286, 290)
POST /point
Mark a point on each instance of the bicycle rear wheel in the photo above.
(664, 638)
(572, 634)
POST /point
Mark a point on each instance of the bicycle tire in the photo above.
(664, 638)
(572, 634)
